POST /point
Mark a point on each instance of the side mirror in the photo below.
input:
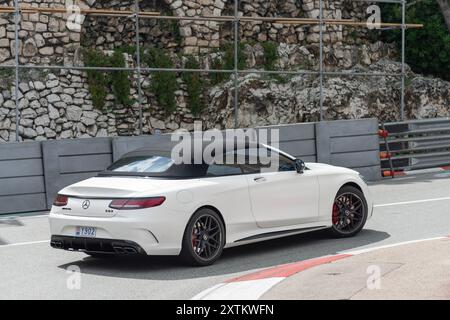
(300, 166)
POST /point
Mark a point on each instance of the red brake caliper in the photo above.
(194, 239)
(335, 214)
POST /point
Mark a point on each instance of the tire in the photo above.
(349, 205)
(99, 255)
(203, 239)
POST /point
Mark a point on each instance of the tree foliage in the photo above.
(427, 49)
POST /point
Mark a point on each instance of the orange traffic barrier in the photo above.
(389, 173)
(385, 155)
(383, 133)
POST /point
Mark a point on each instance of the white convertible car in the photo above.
(146, 204)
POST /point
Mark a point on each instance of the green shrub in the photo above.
(100, 82)
(97, 80)
(229, 56)
(164, 83)
(217, 77)
(120, 81)
(270, 55)
(194, 86)
(226, 62)
(7, 72)
(7, 77)
(270, 58)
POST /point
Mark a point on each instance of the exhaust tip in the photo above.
(56, 244)
(130, 250)
(118, 249)
(125, 250)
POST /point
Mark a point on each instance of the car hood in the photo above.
(118, 187)
(329, 168)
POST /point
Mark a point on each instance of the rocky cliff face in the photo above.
(58, 104)
(269, 102)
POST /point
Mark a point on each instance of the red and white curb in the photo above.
(252, 286)
(421, 171)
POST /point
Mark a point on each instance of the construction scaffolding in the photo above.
(237, 20)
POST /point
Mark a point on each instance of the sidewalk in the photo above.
(411, 271)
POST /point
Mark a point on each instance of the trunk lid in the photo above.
(91, 197)
(110, 187)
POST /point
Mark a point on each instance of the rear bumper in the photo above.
(96, 245)
(155, 233)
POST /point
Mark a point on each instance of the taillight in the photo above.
(135, 204)
(61, 200)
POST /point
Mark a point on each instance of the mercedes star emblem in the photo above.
(86, 204)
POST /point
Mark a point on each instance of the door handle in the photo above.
(259, 179)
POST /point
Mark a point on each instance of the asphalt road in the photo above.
(408, 208)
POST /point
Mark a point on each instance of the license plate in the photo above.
(87, 232)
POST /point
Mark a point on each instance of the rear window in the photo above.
(154, 166)
(142, 164)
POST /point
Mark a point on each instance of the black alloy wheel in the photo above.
(204, 238)
(349, 212)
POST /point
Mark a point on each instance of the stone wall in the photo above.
(192, 37)
(107, 33)
(43, 37)
(57, 103)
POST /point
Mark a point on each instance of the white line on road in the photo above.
(392, 245)
(410, 202)
(240, 290)
(19, 217)
(33, 217)
(22, 243)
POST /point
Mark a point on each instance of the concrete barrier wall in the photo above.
(32, 173)
(68, 161)
(351, 144)
(298, 140)
(22, 182)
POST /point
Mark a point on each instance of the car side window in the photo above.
(285, 164)
(256, 161)
(253, 161)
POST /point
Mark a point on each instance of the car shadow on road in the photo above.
(233, 261)
(7, 223)
(10, 222)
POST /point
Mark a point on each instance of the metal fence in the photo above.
(414, 145)
(136, 14)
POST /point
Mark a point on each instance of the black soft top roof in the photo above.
(165, 150)
(179, 171)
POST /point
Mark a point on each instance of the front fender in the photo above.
(330, 185)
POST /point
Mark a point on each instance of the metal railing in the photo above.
(237, 20)
(413, 145)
